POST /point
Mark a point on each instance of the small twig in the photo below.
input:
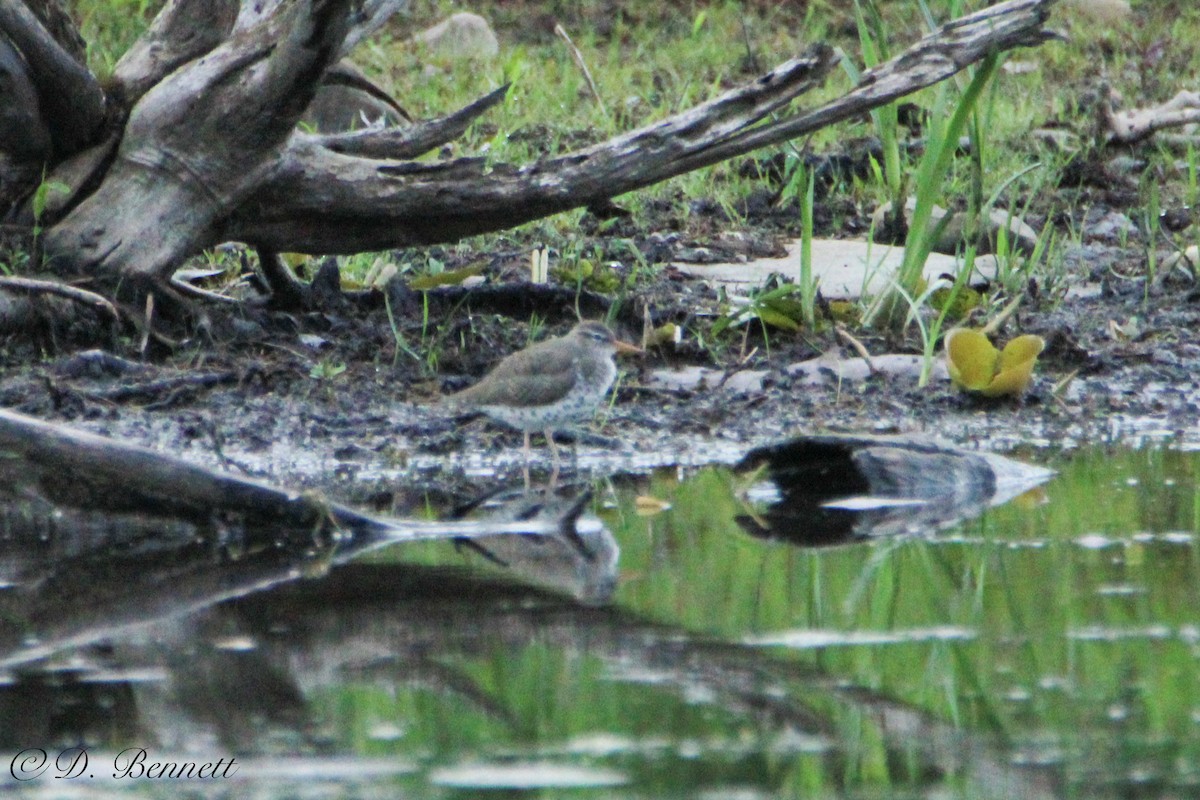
(163, 388)
(201, 294)
(149, 318)
(405, 143)
(579, 62)
(857, 346)
(1060, 388)
(62, 290)
(737, 367)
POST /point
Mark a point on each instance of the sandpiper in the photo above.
(549, 385)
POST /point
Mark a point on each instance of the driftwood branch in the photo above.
(83, 471)
(1139, 124)
(73, 293)
(187, 29)
(380, 204)
(24, 135)
(182, 31)
(183, 167)
(952, 48)
(70, 98)
(321, 201)
(400, 143)
(210, 151)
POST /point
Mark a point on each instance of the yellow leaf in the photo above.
(970, 359)
(975, 365)
(1021, 349)
(1014, 368)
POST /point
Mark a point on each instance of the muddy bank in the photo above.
(341, 400)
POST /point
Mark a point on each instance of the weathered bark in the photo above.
(378, 203)
(69, 97)
(24, 134)
(407, 142)
(76, 470)
(210, 151)
(321, 201)
(197, 144)
(50, 105)
(187, 29)
(183, 30)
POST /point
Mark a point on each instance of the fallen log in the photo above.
(322, 201)
(77, 470)
(204, 149)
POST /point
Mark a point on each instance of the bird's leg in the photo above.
(553, 457)
(553, 448)
(528, 455)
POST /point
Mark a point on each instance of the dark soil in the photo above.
(329, 398)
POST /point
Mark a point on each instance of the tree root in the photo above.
(73, 293)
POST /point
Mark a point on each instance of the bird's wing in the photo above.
(545, 374)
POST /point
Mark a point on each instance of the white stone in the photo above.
(460, 37)
(845, 268)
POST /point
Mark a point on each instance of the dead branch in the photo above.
(73, 293)
(79, 470)
(70, 97)
(209, 151)
(1139, 124)
(24, 135)
(955, 46)
(182, 167)
(402, 143)
(373, 205)
(325, 202)
(182, 31)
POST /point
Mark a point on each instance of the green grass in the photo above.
(651, 60)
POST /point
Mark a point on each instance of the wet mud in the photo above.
(346, 398)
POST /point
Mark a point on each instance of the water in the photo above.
(1044, 648)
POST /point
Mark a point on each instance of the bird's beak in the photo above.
(627, 348)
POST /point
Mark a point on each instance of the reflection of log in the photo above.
(394, 625)
(838, 488)
(76, 576)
